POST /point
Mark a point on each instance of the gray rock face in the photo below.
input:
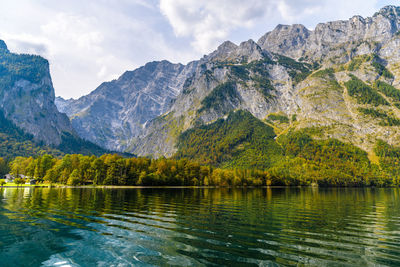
(296, 41)
(286, 38)
(229, 52)
(117, 111)
(145, 110)
(27, 97)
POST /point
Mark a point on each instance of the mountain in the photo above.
(336, 82)
(27, 110)
(114, 114)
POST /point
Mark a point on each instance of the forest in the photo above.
(305, 162)
(113, 169)
(239, 150)
(299, 160)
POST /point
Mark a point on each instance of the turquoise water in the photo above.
(199, 227)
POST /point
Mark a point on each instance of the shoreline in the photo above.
(182, 187)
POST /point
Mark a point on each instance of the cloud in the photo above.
(74, 30)
(26, 43)
(209, 22)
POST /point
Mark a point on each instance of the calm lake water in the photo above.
(199, 227)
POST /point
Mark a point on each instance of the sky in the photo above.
(88, 42)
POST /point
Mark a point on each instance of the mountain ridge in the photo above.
(290, 71)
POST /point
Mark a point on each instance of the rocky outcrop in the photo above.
(27, 97)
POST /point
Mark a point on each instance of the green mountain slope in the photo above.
(240, 140)
(294, 158)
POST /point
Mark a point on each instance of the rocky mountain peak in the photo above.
(115, 113)
(249, 51)
(390, 11)
(223, 52)
(332, 38)
(245, 52)
(227, 47)
(285, 37)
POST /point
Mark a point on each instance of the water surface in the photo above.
(199, 227)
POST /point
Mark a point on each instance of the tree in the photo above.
(74, 178)
(51, 175)
(99, 171)
(3, 167)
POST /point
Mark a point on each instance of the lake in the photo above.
(199, 227)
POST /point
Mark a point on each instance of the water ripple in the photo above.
(200, 227)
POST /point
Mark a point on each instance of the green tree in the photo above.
(74, 178)
(4, 169)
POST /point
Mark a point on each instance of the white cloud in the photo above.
(209, 22)
(74, 30)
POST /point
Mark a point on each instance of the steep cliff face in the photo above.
(30, 120)
(27, 97)
(117, 111)
(338, 80)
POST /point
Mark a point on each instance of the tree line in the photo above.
(113, 169)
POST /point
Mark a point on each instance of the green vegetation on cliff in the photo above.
(388, 90)
(382, 70)
(363, 93)
(326, 162)
(217, 98)
(298, 71)
(386, 120)
(16, 66)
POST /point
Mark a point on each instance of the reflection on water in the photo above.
(199, 227)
